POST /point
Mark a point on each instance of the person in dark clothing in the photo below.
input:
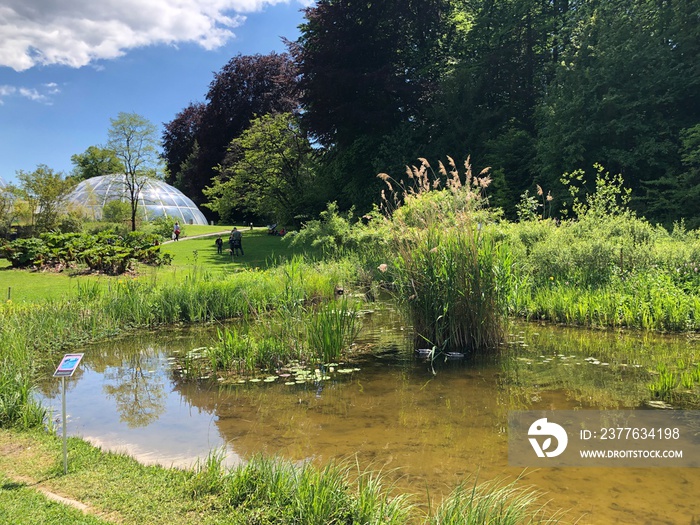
(236, 241)
(219, 245)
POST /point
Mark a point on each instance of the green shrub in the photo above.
(104, 252)
(24, 252)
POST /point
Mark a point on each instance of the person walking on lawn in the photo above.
(236, 241)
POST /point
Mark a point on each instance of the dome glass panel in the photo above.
(156, 198)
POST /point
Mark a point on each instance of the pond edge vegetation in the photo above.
(456, 267)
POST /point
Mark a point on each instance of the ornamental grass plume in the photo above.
(448, 270)
(466, 188)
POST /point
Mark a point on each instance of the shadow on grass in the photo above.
(11, 485)
(261, 251)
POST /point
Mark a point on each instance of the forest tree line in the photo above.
(532, 89)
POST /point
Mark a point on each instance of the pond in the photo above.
(427, 428)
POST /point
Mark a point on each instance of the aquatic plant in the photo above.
(449, 282)
(491, 502)
(289, 335)
(605, 369)
(332, 328)
(448, 270)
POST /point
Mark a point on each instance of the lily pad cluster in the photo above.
(194, 365)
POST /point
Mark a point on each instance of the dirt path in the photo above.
(17, 452)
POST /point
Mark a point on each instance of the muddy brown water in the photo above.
(426, 429)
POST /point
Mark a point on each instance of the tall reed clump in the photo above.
(491, 502)
(291, 334)
(332, 328)
(449, 273)
(266, 345)
(446, 281)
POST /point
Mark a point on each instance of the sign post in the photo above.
(66, 368)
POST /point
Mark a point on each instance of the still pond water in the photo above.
(429, 431)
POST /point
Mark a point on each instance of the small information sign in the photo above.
(68, 364)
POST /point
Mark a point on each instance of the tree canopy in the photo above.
(268, 172)
(532, 88)
(43, 190)
(95, 161)
(134, 141)
(196, 141)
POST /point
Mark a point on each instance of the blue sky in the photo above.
(67, 67)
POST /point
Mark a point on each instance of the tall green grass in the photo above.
(450, 283)
(647, 301)
(285, 493)
(300, 334)
(277, 491)
(332, 328)
(493, 503)
(31, 333)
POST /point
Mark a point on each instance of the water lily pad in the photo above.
(255, 380)
(291, 383)
(270, 379)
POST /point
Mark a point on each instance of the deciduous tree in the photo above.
(95, 161)
(249, 86)
(179, 142)
(134, 141)
(43, 189)
(268, 172)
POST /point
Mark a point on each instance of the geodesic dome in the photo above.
(156, 198)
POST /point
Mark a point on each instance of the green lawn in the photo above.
(260, 250)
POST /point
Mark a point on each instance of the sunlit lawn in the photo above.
(261, 250)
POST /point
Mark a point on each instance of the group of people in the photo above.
(234, 241)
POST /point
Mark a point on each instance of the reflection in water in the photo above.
(138, 393)
(428, 432)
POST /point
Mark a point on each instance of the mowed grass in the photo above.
(21, 505)
(261, 250)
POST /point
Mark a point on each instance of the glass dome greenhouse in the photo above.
(156, 199)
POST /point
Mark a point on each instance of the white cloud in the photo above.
(42, 95)
(77, 32)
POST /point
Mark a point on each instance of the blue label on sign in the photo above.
(68, 365)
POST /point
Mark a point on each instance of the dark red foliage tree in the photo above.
(179, 136)
(196, 141)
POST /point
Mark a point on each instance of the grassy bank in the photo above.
(117, 489)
